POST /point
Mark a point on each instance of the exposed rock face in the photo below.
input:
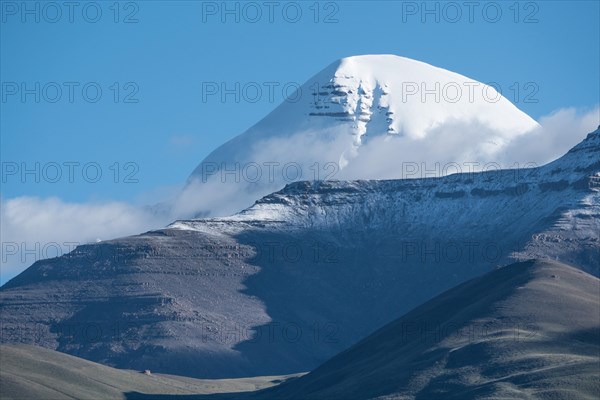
(304, 273)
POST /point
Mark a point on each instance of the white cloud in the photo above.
(559, 131)
(273, 163)
(469, 146)
(34, 228)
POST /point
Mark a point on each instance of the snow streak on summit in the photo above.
(396, 95)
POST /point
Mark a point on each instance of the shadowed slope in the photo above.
(528, 330)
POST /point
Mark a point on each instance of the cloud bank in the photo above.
(227, 187)
(34, 228)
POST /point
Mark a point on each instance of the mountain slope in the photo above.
(304, 273)
(30, 372)
(528, 330)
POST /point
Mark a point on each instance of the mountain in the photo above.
(373, 95)
(304, 273)
(527, 330)
(334, 124)
(30, 372)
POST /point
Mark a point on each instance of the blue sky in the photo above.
(150, 60)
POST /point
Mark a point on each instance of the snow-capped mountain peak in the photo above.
(359, 118)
